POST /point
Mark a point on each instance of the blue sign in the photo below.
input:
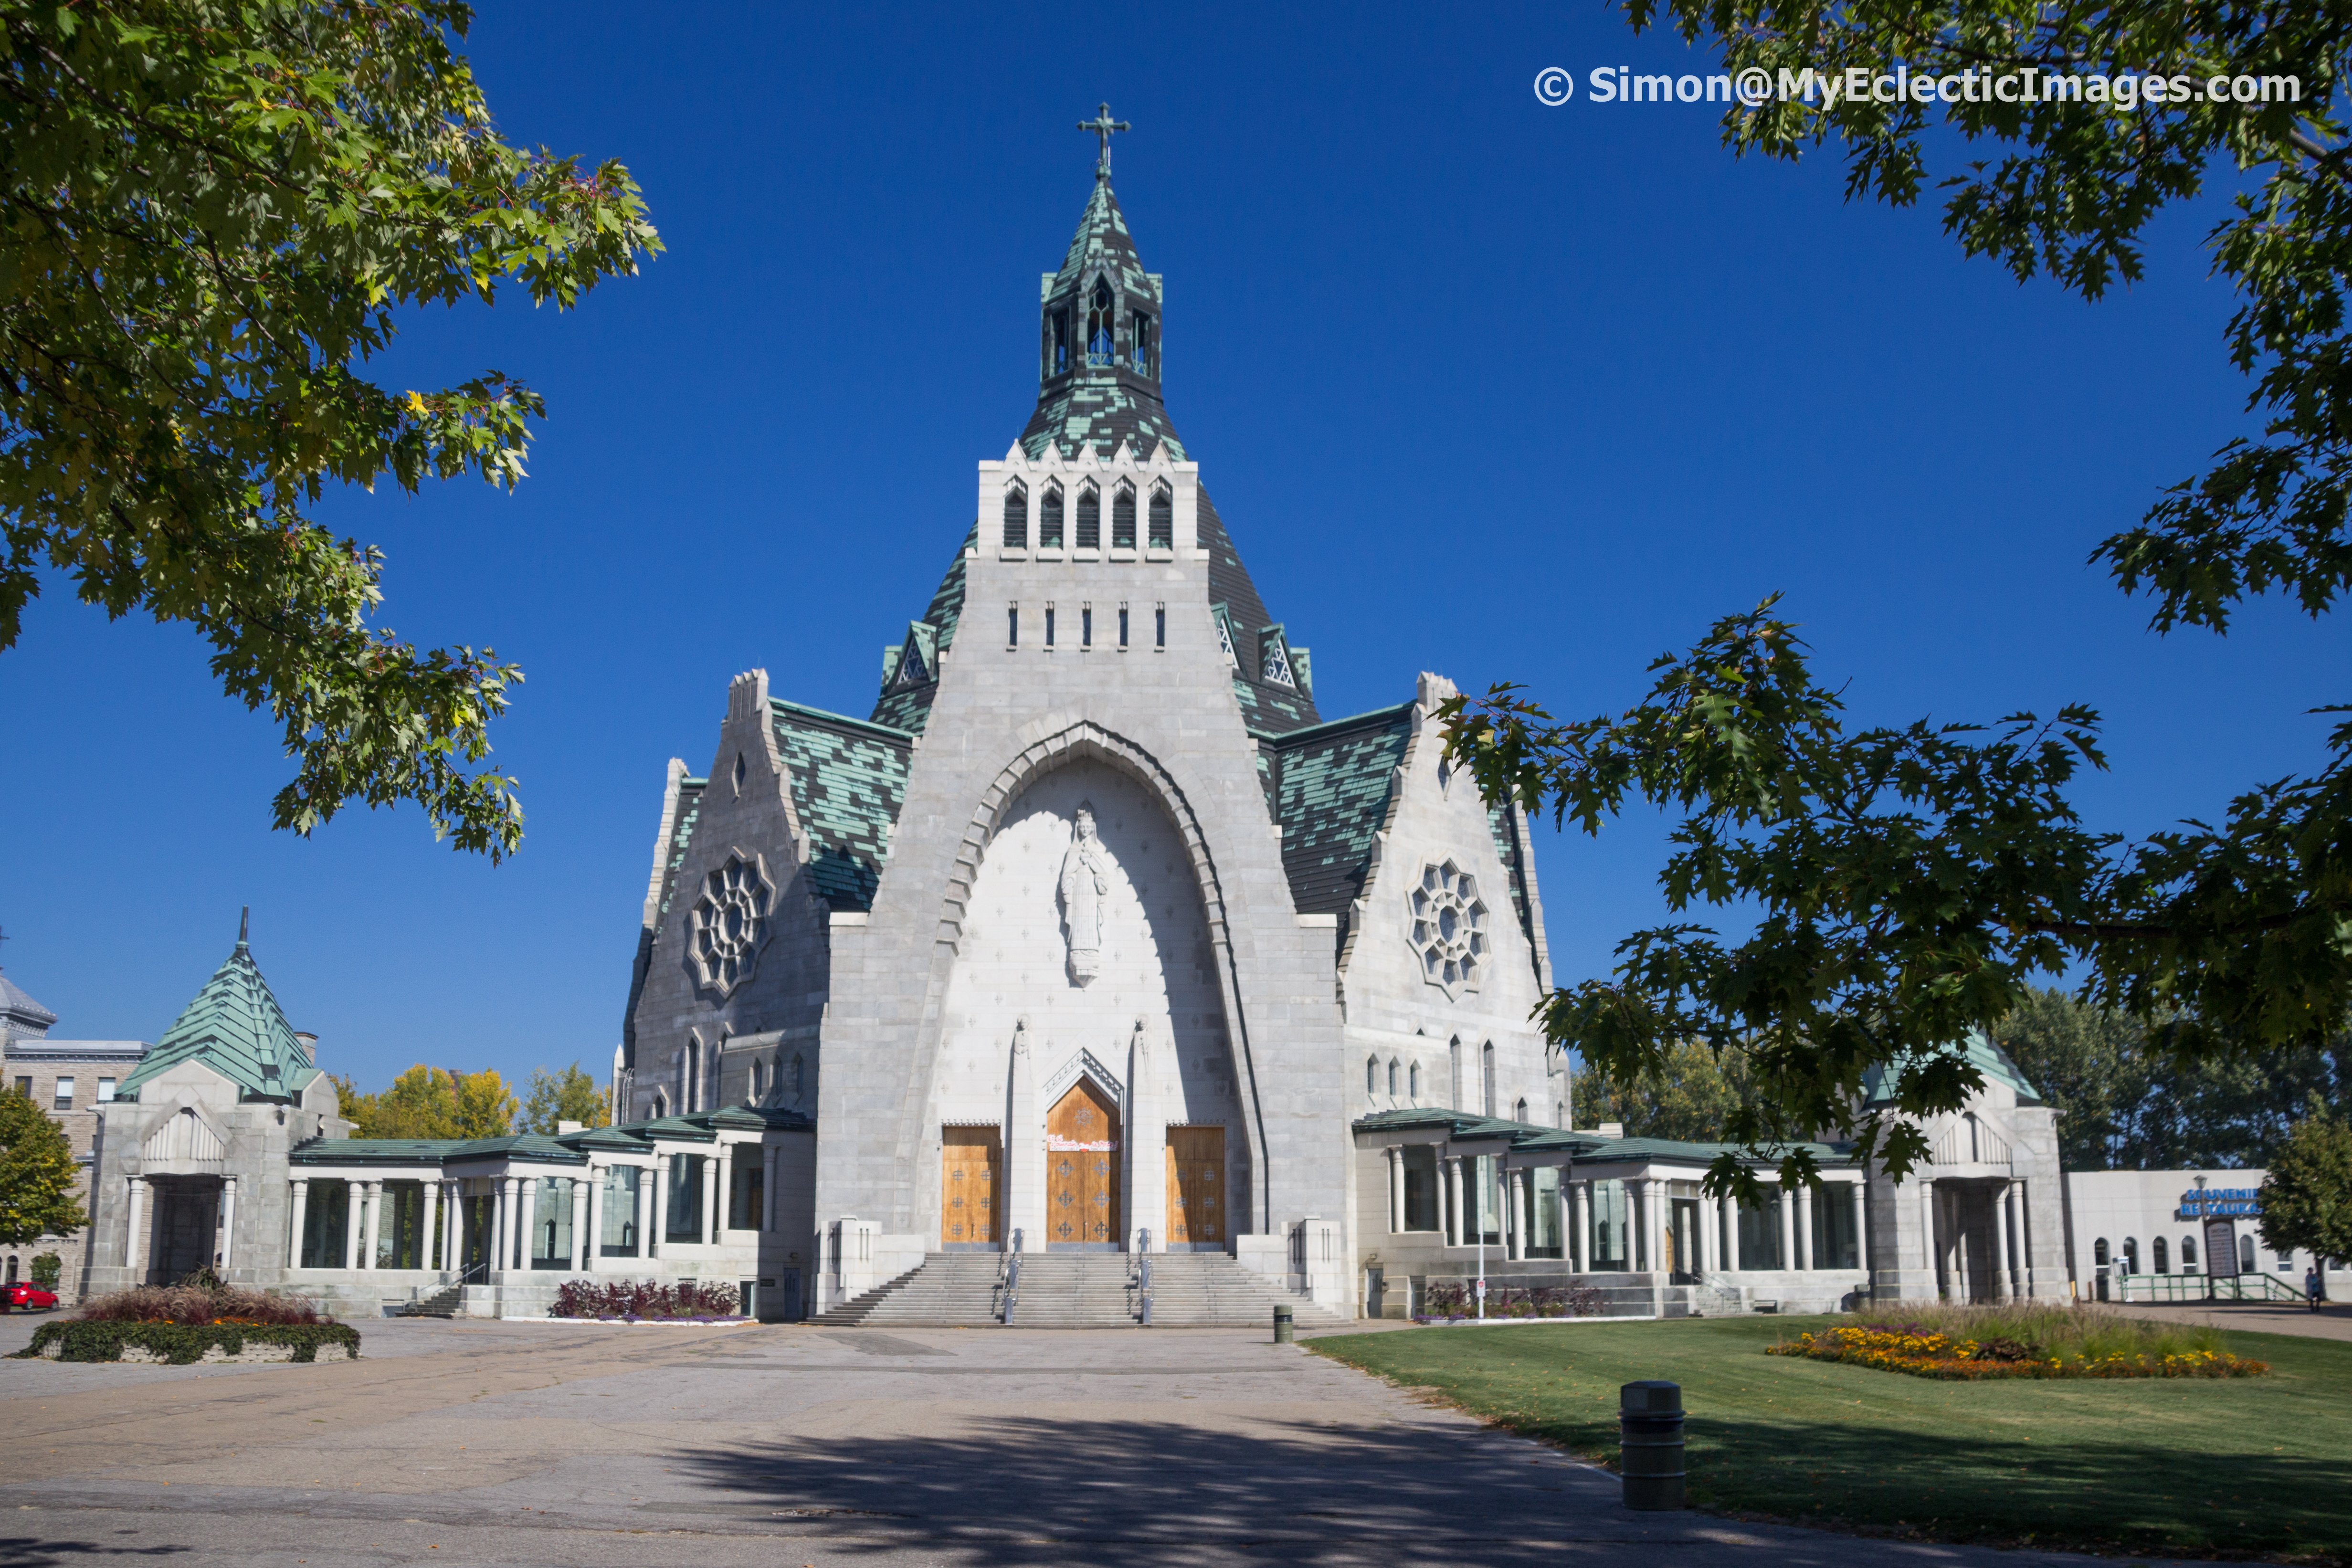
(2222, 1203)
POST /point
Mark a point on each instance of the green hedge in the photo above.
(180, 1344)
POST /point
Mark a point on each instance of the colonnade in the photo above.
(140, 1200)
(1714, 1238)
(515, 1214)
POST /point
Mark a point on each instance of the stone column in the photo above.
(1024, 1151)
(2000, 1288)
(229, 1224)
(1788, 1213)
(1708, 1217)
(374, 1220)
(1522, 1187)
(1459, 1234)
(453, 1234)
(526, 1231)
(1146, 1135)
(1579, 1229)
(1804, 1220)
(1396, 1189)
(772, 1187)
(302, 1214)
(502, 1219)
(1858, 1194)
(429, 1221)
(1930, 1260)
(656, 1192)
(579, 1223)
(597, 1177)
(134, 1247)
(1653, 1223)
(354, 1220)
(1728, 1209)
(718, 1187)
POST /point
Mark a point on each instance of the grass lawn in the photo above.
(2229, 1466)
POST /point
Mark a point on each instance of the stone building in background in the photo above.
(73, 1079)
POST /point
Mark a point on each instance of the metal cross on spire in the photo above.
(1102, 125)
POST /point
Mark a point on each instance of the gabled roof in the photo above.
(561, 1148)
(236, 1027)
(1982, 1049)
(1588, 1147)
(848, 779)
(1328, 787)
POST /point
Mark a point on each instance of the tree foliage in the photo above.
(431, 1103)
(2307, 1194)
(1910, 882)
(214, 213)
(2125, 1104)
(37, 1175)
(1691, 1093)
(566, 1095)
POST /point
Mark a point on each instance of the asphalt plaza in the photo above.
(551, 1443)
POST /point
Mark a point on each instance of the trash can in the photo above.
(1281, 1324)
(1650, 1444)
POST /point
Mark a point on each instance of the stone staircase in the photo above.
(1209, 1290)
(1076, 1290)
(951, 1290)
(440, 1304)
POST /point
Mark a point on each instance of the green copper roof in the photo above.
(1101, 405)
(1983, 1052)
(1590, 1147)
(848, 776)
(561, 1148)
(236, 1027)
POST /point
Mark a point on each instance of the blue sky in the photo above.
(1481, 386)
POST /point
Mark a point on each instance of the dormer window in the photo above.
(1100, 350)
(1122, 518)
(1219, 618)
(1273, 659)
(1145, 348)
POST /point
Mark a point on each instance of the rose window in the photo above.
(1449, 928)
(729, 921)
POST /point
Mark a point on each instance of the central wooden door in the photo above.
(1082, 1207)
(1196, 1186)
(968, 1163)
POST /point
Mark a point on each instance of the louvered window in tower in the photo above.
(1163, 518)
(1122, 518)
(1016, 518)
(1049, 518)
(1060, 353)
(1145, 348)
(1100, 351)
(1089, 518)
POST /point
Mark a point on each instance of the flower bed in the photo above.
(182, 1344)
(1453, 1304)
(644, 1301)
(1924, 1351)
(198, 1303)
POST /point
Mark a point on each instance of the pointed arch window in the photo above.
(1414, 1078)
(1163, 518)
(1059, 353)
(1049, 518)
(1100, 350)
(1016, 517)
(1089, 517)
(1371, 1075)
(1122, 518)
(1146, 348)
(1486, 1078)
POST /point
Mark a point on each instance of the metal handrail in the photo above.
(1012, 1277)
(2155, 1288)
(1144, 1277)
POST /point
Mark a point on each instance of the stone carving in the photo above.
(1449, 928)
(1085, 881)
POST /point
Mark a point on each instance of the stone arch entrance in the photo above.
(1082, 1212)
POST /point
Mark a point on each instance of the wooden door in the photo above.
(1082, 1208)
(969, 1163)
(1196, 1186)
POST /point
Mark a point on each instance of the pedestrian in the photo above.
(2311, 1286)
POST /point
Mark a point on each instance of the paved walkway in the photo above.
(559, 1443)
(2333, 1321)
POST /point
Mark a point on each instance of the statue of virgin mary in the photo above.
(1085, 880)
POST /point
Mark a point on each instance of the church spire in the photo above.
(1100, 333)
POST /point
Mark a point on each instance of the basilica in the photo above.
(1094, 974)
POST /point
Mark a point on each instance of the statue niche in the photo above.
(1085, 881)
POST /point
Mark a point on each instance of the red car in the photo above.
(25, 1296)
